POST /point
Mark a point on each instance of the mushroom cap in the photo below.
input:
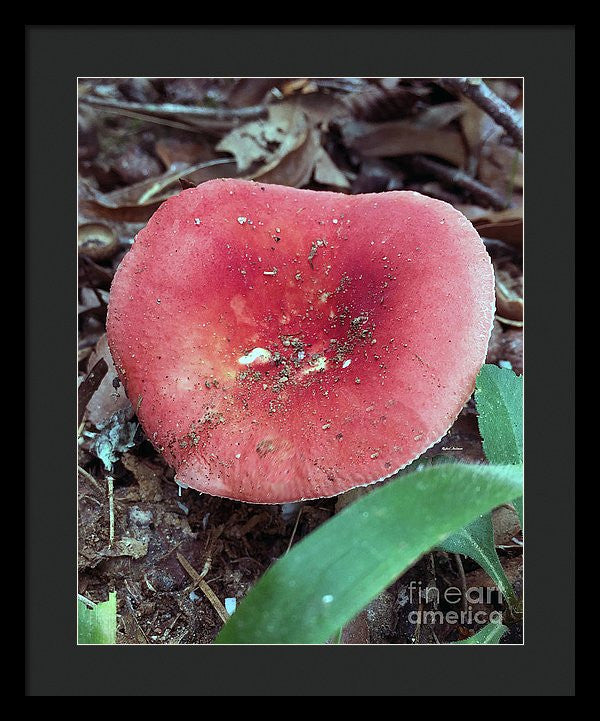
(287, 344)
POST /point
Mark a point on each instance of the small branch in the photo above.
(500, 111)
(200, 583)
(463, 580)
(90, 478)
(111, 510)
(251, 112)
(294, 532)
(454, 176)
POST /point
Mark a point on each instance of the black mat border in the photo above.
(55, 56)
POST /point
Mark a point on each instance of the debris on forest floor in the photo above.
(140, 141)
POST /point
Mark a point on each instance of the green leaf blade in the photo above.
(499, 399)
(97, 625)
(477, 541)
(327, 578)
(489, 634)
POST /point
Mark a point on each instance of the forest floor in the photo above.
(141, 141)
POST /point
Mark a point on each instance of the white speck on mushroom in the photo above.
(256, 354)
(346, 363)
(197, 221)
(270, 272)
(319, 364)
(241, 220)
(334, 221)
(301, 355)
(238, 455)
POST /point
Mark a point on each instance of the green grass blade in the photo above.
(492, 633)
(477, 541)
(97, 624)
(499, 399)
(327, 578)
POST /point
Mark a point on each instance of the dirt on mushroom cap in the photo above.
(293, 343)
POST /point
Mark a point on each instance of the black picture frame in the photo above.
(55, 56)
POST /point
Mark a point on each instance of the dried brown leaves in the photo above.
(285, 148)
(399, 137)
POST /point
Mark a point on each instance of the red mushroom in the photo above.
(289, 344)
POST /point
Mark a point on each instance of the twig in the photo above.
(251, 112)
(200, 583)
(111, 510)
(454, 176)
(137, 623)
(150, 119)
(500, 111)
(90, 478)
(417, 634)
(294, 531)
(463, 580)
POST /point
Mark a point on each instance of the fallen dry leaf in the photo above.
(400, 137)
(251, 91)
(299, 85)
(97, 241)
(439, 116)
(506, 225)
(88, 386)
(128, 547)
(509, 291)
(296, 167)
(506, 344)
(267, 141)
(501, 167)
(506, 526)
(173, 151)
(148, 476)
(136, 203)
(109, 397)
(327, 172)
(321, 108)
(478, 128)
